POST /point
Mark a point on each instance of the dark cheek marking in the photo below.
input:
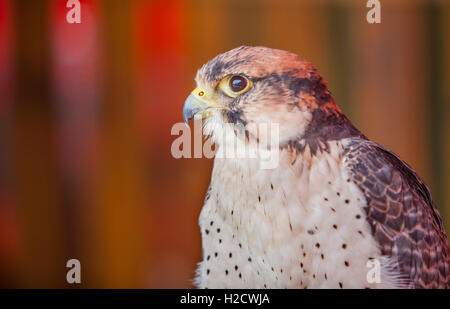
(235, 117)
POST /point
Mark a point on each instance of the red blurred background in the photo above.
(86, 112)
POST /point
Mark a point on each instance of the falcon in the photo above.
(337, 211)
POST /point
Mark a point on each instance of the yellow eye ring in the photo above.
(234, 85)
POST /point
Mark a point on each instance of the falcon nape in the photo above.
(336, 207)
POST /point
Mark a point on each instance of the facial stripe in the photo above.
(235, 116)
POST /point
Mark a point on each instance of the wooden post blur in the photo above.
(445, 103)
(390, 72)
(116, 222)
(35, 165)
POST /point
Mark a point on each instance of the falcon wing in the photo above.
(404, 220)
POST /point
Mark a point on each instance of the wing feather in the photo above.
(403, 217)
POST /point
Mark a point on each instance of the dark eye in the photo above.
(238, 83)
(235, 85)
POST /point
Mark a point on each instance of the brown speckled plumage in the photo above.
(403, 217)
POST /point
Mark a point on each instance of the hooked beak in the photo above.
(196, 105)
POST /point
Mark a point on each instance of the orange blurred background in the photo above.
(86, 112)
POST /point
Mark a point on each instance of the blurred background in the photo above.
(86, 112)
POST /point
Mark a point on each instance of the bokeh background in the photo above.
(86, 112)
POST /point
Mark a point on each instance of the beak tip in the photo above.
(192, 107)
(186, 121)
(186, 115)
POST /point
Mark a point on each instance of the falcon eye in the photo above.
(238, 83)
(234, 85)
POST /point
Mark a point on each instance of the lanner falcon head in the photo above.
(251, 85)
